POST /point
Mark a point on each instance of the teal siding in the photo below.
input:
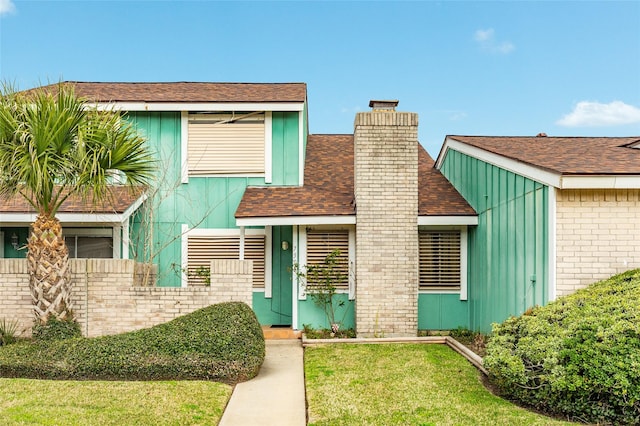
(204, 202)
(313, 315)
(9, 251)
(508, 250)
(442, 312)
(285, 153)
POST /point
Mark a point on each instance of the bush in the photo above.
(56, 329)
(8, 331)
(577, 357)
(222, 342)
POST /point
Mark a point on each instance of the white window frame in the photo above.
(222, 232)
(109, 232)
(301, 250)
(268, 149)
(463, 292)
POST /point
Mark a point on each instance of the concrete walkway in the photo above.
(277, 395)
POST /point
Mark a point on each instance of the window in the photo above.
(440, 260)
(83, 245)
(226, 144)
(202, 249)
(320, 244)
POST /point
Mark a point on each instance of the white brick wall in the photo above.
(105, 300)
(386, 190)
(598, 235)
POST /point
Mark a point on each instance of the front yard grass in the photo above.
(385, 384)
(55, 402)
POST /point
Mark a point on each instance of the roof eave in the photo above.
(448, 220)
(296, 220)
(196, 106)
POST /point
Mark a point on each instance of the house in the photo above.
(487, 230)
(555, 214)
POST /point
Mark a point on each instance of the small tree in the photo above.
(54, 146)
(320, 281)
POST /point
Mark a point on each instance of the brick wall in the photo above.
(386, 190)
(106, 301)
(598, 235)
(15, 298)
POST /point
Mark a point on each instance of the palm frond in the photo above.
(52, 145)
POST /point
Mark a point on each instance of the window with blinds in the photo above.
(227, 144)
(319, 245)
(439, 260)
(201, 250)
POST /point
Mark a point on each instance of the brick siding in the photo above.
(386, 190)
(597, 235)
(106, 301)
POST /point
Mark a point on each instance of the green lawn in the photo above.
(52, 402)
(402, 384)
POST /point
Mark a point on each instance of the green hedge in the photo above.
(222, 342)
(577, 357)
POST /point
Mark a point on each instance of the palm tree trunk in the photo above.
(49, 275)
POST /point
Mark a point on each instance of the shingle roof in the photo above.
(120, 199)
(327, 190)
(188, 92)
(565, 155)
(328, 186)
(436, 195)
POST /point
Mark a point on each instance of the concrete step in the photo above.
(280, 333)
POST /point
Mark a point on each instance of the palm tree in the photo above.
(54, 146)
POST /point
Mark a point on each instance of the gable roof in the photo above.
(563, 155)
(436, 195)
(187, 92)
(327, 190)
(329, 186)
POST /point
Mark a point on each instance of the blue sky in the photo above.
(479, 68)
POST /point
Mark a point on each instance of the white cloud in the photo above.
(484, 35)
(592, 114)
(351, 110)
(487, 41)
(457, 115)
(6, 6)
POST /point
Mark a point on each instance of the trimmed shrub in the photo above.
(56, 329)
(577, 357)
(222, 342)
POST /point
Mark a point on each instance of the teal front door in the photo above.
(281, 290)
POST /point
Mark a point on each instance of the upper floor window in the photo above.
(226, 144)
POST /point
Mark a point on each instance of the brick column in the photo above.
(386, 190)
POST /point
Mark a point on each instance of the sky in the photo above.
(467, 68)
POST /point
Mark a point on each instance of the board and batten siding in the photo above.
(508, 260)
(203, 202)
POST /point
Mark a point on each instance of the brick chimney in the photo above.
(386, 191)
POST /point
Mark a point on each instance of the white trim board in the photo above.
(538, 174)
(197, 106)
(268, 147)
(301, 153)
(297, 220)
(552, 262)
(447, 220)
(518, 167)
(222, 232)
